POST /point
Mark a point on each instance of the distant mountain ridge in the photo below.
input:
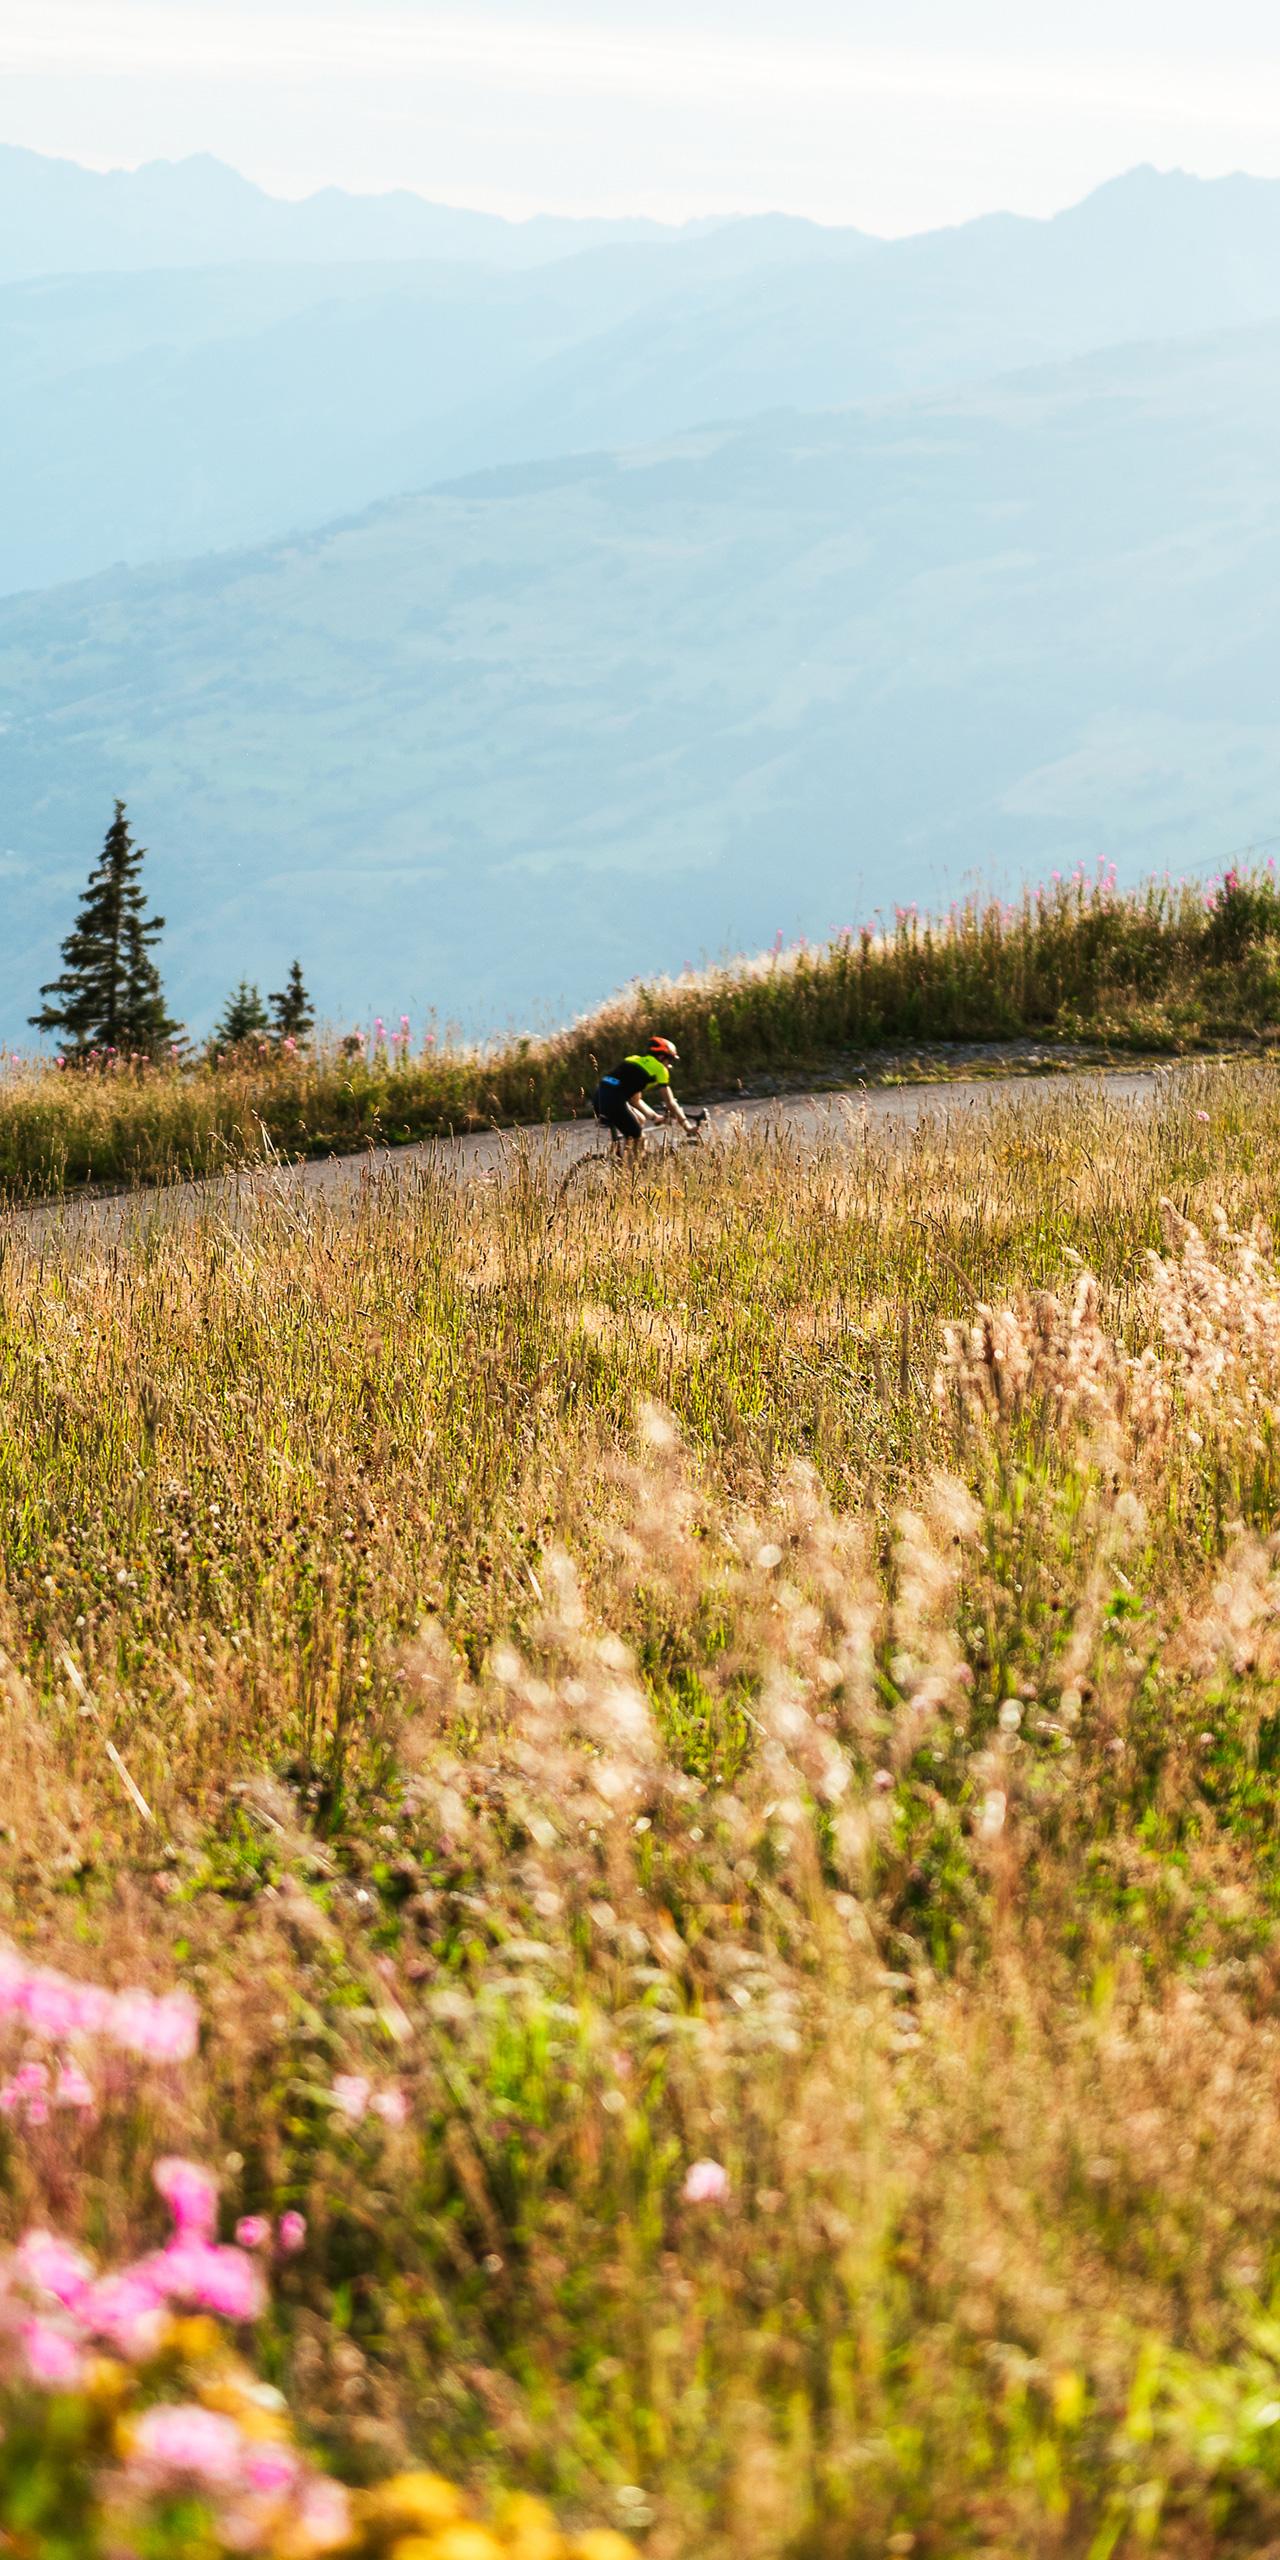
(162, 413)
(495, 749)
(57, 218)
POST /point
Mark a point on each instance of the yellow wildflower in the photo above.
(197, 2339)
(416, 2502)
(529, 2530)
(454, 2542)
(106, 2382)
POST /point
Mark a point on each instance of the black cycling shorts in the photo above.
(612, 1108)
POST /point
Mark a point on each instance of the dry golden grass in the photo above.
(659, 1674)
(1162, 969)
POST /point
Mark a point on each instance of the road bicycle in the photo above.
(658, 1138)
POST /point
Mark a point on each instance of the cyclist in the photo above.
(621, 1100)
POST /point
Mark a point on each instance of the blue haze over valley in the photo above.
(490, 612)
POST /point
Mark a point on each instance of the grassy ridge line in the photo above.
(1162, 968)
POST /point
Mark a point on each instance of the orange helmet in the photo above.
(664, 1049)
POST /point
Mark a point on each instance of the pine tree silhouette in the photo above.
(245, 1018)
(109, 995)
(292, 1013)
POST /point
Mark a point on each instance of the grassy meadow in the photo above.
(1162, 970)
(740, 1702)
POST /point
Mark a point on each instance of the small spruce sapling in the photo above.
(244, 1019)
(292, 1013)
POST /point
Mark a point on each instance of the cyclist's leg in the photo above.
(625, 1128)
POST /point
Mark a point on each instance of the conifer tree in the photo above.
(109, 995)
(245, 1018)
(144, 1020)
(292, 1012)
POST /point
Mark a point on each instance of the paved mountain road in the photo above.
(882, 1111)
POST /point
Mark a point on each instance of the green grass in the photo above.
(608, 1661)
(1157, 971)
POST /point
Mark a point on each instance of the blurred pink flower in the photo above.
(291, 2232)
(191, 2195)
(225, 2281)
(27, 2093)
(324, 2515)
(189, 2442)
(127, 2312)
(52, 2266)
(73, 2090)
(253, 2231)
(271, 2469)
(1202, 1115)
(705, 2183)
(54, 2361)
(392, 2105)
(159, 2030)
(350, 2094)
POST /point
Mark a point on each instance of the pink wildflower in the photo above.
(27, 2093)
(271, 2469)
(1202, 1115)
(190, 2443)
(350, 2094)
(191, 2195)
(392, 2105)
(291, 2232)
(54, 2360)
(127, 2312)
(73, 2090)
(705, 2183)
(51, 2266)
(50, 2005)
(225, 2281)
(253, 2231)
(324, 2515)
(159, 2030)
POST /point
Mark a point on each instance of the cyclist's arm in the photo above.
(674, 1111)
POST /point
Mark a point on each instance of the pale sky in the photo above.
(894, 116)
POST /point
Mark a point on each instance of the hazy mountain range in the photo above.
(495, 747)
(807, 570)
(59, 219)
(155, 414)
